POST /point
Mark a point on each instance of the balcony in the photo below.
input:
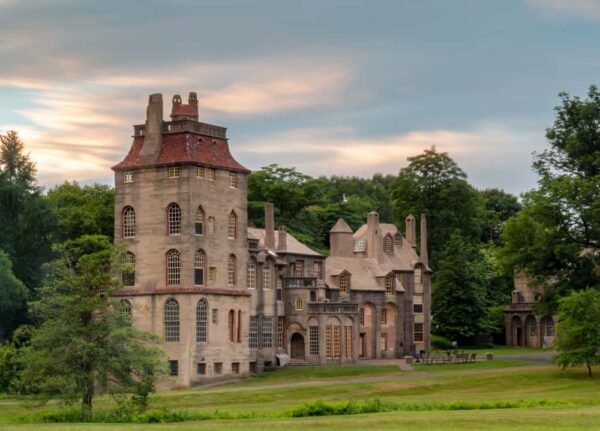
(520, 306)
(332, 308)
(300, 282)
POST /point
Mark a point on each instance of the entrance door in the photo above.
(297, 346)
(362, 346)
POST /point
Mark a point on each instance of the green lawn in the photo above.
(573, 399)
(505, 350)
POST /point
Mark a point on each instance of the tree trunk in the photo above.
(86, 401)
(589, 367)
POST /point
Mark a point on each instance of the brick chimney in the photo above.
(153, 130)
(269, 227)
(424, 253)
(411, 235)
(180, 111)
(282, 239)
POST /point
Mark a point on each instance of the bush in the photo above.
(440, 343)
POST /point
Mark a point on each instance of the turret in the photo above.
(340, 239)
(374, 244)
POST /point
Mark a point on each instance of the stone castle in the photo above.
(230, 299)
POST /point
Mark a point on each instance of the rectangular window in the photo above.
(362, 316)
(212, 273)
(232, 180)
(418, 304)
(399, 280)
(299, 271)
(235, 368)
(218, 368)
(317, 269)
(418, 332)
(198, 276)
(384, 316)
(128, 177)
(201, 369)
(215, 316)
(418, 276)
(174, 172)
(281, 332)
(532, 329)
(200, 172)
(383, 340)
(329, 341)
(313, 333)
(337, 341)
(267, 332)
(279, 294)
(174, 368)
(253, 333)
(313, 296)
(211, 174)
(348, 342)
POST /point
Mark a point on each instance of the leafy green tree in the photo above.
(13, 297)
(578, 330)
(434, 184)
(83, 342)
(459, 303)
(77, 210)
(498, 207)
(557, 235)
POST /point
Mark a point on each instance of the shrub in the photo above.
(440, 343)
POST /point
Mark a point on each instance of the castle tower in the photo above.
(181, 210)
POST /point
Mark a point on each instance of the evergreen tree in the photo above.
(13, 295)
(83, 342)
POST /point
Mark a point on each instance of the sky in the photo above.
(331, 87)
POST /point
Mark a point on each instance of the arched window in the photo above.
(418, 275)
(239, 326)
(174, 219)
(389, 285)
(549, 327)
(231, 325)
(128, 222)
(126, 309)
(199, 267)
(298, 304)
(388, 244)
(344, 283)
(202, 321)
(199, 221)
(398, 239)
(128, 274)
(171, 320)
(251, 273)
(268, 274)
(173, 268)
(231, 278)
(232, 226)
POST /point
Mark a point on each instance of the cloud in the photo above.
(582, 8)
(490, 154)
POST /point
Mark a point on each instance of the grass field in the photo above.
(424, 399)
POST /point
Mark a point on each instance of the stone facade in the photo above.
(229, 299)
(523, 326)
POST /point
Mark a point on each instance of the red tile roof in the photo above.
(185, 148)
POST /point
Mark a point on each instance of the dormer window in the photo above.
(344, 283)
(389, 285)
(360, 245)
(128, 177)
(398, 239)
(388, 244)
(173, 172)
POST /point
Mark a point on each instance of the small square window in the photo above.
(218, 368)
(211, 174)
(215, 316)
(201, 369)
(235, 368)
(200, 172)
(128, 177)
(174, 172)
(212, 273)
(418, 308)
(174, 368)
(232, 180)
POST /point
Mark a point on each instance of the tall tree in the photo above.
(557, 235)
(459, 296)
(578, 330)
(434, 184)
(84, 341)
(14, 163)
(13, 296)
(77, 210)
(498, 207)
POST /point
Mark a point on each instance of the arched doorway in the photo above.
(297, 346)
(517, 331)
